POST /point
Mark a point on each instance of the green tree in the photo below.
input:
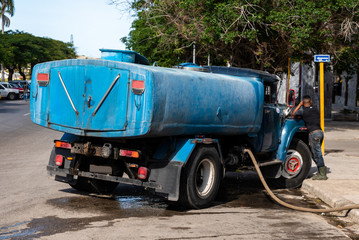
(19, 50)
(259, 34)
(7, 7)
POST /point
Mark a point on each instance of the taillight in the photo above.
(303, 129)
(59, 160)
(142, 173)
(138, 87)
(43, 79)
(60, 144)
(129, 153)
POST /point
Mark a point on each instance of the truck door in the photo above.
(271, 124)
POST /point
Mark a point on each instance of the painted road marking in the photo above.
(26, 114)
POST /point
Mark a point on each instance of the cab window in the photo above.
(270, 92)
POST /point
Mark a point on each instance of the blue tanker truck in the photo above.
(174, 131)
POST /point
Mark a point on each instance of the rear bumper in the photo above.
(66, 176)
(164, 180)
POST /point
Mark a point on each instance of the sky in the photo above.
(94, 24)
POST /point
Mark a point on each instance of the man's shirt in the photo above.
(311, 117)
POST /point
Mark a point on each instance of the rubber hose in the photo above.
(275, 198)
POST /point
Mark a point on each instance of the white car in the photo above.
(8, 92)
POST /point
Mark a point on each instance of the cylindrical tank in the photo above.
(104, 98)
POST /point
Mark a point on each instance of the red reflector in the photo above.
(42, 77)
(207, 140)
(129, 153)
(60, 144)
(138, 87)
(59, 159)
(142, 173)
(303, 129)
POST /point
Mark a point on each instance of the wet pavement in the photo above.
(239, 190)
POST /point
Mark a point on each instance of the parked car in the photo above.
(22, 83)
(8, 92)
(18, 87)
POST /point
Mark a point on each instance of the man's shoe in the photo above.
(322, 174)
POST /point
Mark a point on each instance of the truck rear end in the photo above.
(90, 97)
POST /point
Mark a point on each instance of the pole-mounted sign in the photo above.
(322, 58)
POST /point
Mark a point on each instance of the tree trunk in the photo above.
(2, 32)
(31, 68)
(11, 73)
(22, 73)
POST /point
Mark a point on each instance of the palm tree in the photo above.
(7, 7)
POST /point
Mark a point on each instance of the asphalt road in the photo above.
(35, 206)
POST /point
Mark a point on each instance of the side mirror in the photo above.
(291, 98)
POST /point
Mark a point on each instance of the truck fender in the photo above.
(169, 176)
(290, 127)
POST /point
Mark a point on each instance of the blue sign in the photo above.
(321, 58)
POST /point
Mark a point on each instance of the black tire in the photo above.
(296, 167)
(201, 178)
(11, 96)
(94, 185)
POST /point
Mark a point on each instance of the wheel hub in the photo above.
(293, 164)
(204, 177)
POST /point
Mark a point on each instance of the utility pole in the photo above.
(194, 52)
(288, 80)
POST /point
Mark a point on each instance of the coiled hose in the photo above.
(279, 201)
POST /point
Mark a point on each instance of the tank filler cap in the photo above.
(123, 56)
(191, 67)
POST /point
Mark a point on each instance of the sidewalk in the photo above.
(342, 159)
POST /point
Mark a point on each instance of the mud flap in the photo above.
(168, 177)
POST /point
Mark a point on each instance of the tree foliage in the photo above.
(259, 34)
(19, 50)
(6, 7)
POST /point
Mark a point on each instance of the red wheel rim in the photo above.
(293, 165)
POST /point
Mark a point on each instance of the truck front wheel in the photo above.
(296, 166)
(201, 178)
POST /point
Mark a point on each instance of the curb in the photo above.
(331, 199)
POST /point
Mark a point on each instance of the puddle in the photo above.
(237, 190)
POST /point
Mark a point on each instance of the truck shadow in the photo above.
(242, 189)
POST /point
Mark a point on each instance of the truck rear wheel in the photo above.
(201, 178)
(296, 166)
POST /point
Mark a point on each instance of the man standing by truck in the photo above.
(311, 118)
